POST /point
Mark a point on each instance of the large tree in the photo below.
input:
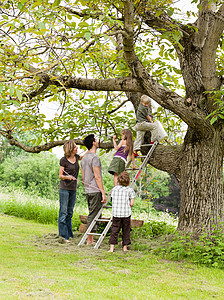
(54, 52)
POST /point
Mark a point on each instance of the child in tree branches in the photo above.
(144, 122)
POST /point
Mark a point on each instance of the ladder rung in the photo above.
(146, 145)
(140, 156)
(130, 169)
(93, 233)
(103, 220)
(108, 206)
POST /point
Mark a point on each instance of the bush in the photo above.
(152, 229)
(37, 173)
(207, 250)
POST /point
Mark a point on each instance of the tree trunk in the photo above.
(201, 184)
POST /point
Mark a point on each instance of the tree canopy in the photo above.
(54, 52)
(57, 52)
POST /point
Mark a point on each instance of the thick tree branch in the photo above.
(167, 158)
(116, 84)
(205, 15)
(164, 23)
(193, 116)
(209, 76)
(50, 145)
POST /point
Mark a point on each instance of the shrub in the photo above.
(152, 229)
(37, 173)
(207, 250)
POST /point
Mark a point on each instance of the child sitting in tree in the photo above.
(144, 122)
(122, 201)
(123, 150)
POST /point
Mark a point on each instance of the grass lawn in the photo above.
(34, 265)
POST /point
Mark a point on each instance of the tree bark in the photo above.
(201, 184)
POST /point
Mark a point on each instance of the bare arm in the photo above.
(81, 156)
(131, 202)
(99, 181)
(82, 174)
(133, 161)
(65, 177)
(149, 119)
(116, 147)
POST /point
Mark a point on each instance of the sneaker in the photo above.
(136, 155)
(152, 143)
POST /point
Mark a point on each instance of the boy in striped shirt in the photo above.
(122, 201)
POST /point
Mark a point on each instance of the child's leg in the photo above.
(126, 229)
(111, 248)
(116, 225)
(152, 127)
(89, 240)
(125, 248)
(115, 179)
(139, 140)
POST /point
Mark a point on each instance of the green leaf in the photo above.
(20, 6)
(11, 91)
(170, 12)
(87, 36)
(83, 24)
(41, 25)
(214, 119)
(19, 94)
(56, 3)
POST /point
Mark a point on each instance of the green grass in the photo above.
(35, 266)
(31, 207)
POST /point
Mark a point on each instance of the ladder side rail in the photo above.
(149, 155)
(144, 163)
(89, 229)
(103, 234)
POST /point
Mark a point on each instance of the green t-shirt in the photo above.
(142, 113)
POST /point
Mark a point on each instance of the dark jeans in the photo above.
(67, 202)
(94, 205)
(117, 224)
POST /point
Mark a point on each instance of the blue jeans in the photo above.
(67, 202)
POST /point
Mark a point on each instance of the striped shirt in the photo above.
(121, 196)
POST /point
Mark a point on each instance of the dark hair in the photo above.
(123, 178)
(88, 141)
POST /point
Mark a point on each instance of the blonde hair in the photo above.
(129, 140)
(68, 147)
(145, 99)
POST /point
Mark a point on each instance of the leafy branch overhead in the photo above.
(69, 68)
(48, 51)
